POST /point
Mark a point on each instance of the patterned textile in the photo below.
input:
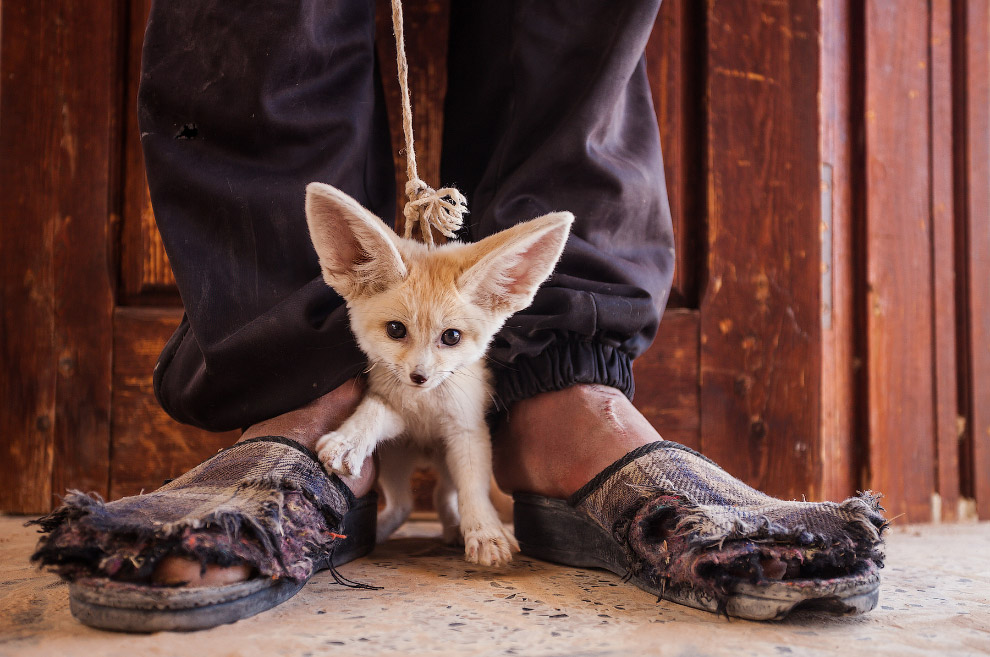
(686, 522)
(267, 502)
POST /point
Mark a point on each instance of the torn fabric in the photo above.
(266, 502)
(685, 522)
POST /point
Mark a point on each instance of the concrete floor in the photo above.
(935, 600)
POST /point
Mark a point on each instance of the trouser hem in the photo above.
(562, 365)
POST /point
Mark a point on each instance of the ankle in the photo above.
(308, 423)
(555, 442)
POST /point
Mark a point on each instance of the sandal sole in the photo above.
(121, 607)
(551, 530)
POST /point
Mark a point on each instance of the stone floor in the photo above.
(935, 600)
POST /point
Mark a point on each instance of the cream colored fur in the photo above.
(472, 288)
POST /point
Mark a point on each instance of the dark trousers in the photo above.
(548, 108)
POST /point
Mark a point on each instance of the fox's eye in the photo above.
(450, 337)
(395, 330)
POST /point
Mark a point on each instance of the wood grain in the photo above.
(667, 384)
(898, 272)
(425, 26)
(840, 446)
(675, 67)
(149, 446)
(943, 217)
(88, 79)
(145, 274)
(976, 76)
(58, 114)
(756, 102)
(760, 323)
(29, 141)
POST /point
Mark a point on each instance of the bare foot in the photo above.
(304, 425)
(555, 442)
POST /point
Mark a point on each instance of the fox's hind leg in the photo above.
(396, 462)
(445, 502)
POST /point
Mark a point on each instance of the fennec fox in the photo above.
(424, 318)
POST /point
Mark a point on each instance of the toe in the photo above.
(176, 570)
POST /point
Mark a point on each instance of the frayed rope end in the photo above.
(442, 209)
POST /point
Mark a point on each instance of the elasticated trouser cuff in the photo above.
(562, 365)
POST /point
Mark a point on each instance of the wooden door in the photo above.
(828, 183)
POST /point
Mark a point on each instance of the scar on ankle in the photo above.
(610, 416)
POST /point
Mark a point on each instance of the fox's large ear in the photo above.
(357, 253)
(513, 263)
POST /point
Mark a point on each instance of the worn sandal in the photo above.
(266, 502)
(678, 526)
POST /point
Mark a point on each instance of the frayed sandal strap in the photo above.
(716, 506)
(268, 502)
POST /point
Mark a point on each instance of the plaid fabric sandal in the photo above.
(266, 502)
(678, 526)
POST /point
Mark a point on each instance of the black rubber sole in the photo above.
(130, 608)
(552, 530)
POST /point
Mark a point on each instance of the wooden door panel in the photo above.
(145, 275)
(149, 447)
(973, 243)
(667, 382)
(827, 171)
(58, 122)
(760, 318)
(943, 212)
(28, 280)
(840, 455)
(675, 64)
(898, 289)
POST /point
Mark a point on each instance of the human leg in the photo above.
(549, 108)
(284, 103)
(240, 106)
(562, 120)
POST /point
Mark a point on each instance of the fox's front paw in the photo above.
(489, 544)
(343, 453)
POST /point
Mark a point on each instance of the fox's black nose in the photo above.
(417, 378)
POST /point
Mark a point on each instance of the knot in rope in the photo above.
(443, 209)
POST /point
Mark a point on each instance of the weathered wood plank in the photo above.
(760, 323)
(977, 273)
(675, 66)
(145, 273)
(88, 79)
(839, 448)
(59, 112)
(149, 446)
(30, 125)
(667, 379)
(946, 401)
(898, 267)
(426, 53)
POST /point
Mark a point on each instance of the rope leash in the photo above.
(444, 208)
